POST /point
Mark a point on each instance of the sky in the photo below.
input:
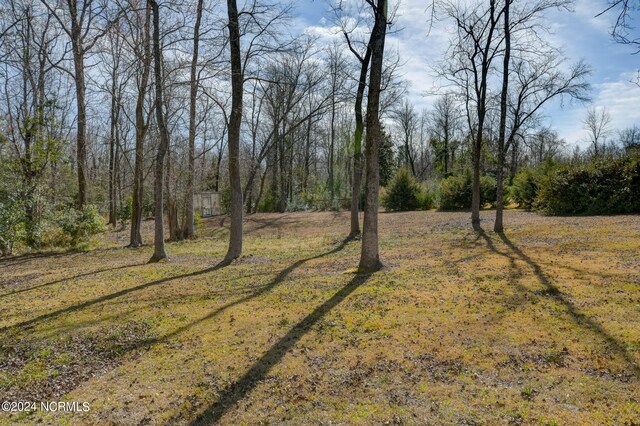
(580, 34)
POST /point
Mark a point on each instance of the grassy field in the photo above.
(540, 325)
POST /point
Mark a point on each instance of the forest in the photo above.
(277, 217)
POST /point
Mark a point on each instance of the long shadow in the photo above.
(578, 317)
(266, 223)
(17, 260)
(86, 274)
(553, 291)
(123, 292)
(6, 262)
(273, 356)
(260, 290)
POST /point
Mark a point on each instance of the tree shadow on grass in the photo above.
(552, 290)
(85, 274)
(259, 370)
(11, 261)
(278, 279)
(264, 223)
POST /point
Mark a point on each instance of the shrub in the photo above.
(426, 198)
(402, 192)
(11, 225)
(488, 190)
(599, 187)
(455, 192)
(268, 204)
(525, 188)
(297, 204)
(80, 225)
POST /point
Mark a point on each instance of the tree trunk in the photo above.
(159, 252)
(235, 119)
(112, 150)
(482, 111)
(332, 144)
(135, 239)
(514, 161)
(369, 257)
(498, 225)
(260, 192)
(81, 137)
(283, 181)
(357, 144)
(175, 233)
(189, 223)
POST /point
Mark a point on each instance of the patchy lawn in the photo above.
(539, 326)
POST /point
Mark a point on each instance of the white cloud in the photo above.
(422, 43)
(621, 99)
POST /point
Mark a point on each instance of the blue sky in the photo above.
(579, 33)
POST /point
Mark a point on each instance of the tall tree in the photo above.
(498, 225)
(407, 121)
(444, 122)
(233, 132)
(189, 225)
(471, 58)
(79, 20)
(369, 256)
(598, 125)
(32, 97)
(363, 60)
(141, 46)
(159, 252)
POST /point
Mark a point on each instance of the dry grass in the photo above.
(539, 326)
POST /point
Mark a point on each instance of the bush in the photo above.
(525, 188)
(80, 225)
(268, 204)
(402, 193)
(456, 192)
(425, 198)
(599, 187)
(297, 204)
(488, 190)
(11, 225)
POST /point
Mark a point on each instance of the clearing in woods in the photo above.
(539, 325)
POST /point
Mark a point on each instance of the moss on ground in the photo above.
(540, 325)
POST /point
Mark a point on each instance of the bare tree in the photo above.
(407, 121)
(141, 46)
(369, 256)
(79, 21)
(364, 61)
(189, 224)
(233, 132)
(598, 125)
(476, 45)
(498, 225)
(544, 144)
(630, 138)
(445, 119)
(159, 252)
(335, 64)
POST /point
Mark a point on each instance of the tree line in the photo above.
(134, 106)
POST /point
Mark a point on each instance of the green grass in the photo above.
(539, 326)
